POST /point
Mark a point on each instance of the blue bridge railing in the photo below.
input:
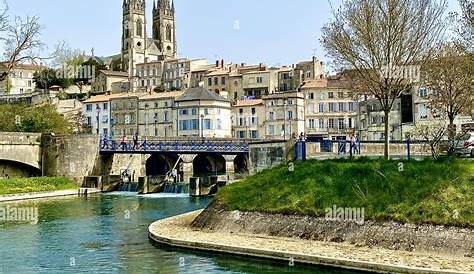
(179, 146)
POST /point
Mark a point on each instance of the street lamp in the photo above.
(98, 118)
(155, 121)
(202, 126)
(146, 120)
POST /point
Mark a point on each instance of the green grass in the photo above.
(39, 184)
(428, 191)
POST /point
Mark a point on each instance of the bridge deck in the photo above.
(174, 146)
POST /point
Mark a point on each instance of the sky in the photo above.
(275, 32)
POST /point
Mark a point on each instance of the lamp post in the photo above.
(98, 119)
(155, 121)
(202, 126)
(146, 120)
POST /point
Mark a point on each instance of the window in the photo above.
(207, 124)
(254, 134)
(223, 81)
(321, 123)
(340, 124)
(331, 123)
(271, 115)
(89, 107)
(29, 83)
(184, 125)
(105, 106)
(423, 111)
(271, 130)
(259, 80)
(218, 124)
(340, 95)
(206, 111)
(194, 124)
(311, 96)
(209, 81)
(290, 115)
(216, 81)
(341, 107)
(89, 121)
(193, 111)
(254, 111)
(351, 106)
(331, 107)
(311, 123)
(105, 119)
(183, 112)
(330, 95)
(350, 122)
(321, 107)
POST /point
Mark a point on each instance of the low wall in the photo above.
(264, 155)
(389, 235)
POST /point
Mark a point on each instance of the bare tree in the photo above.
(449, 76)
(433, 133)
(21, 42)
(464, 23)
(3, 15)
(379, 41)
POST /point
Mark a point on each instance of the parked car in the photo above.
(464, 145)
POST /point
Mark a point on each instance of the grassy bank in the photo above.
(429, 191)
(39, 184)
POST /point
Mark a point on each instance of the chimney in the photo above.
(315, 59)
(242, 64)
(217, 63)
(222, 63)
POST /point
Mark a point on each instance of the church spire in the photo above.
(172, 6)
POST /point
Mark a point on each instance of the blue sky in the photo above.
(275, 32)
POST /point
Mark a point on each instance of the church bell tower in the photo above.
(164, 28)
(134, 36)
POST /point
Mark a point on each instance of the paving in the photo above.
(176, 231)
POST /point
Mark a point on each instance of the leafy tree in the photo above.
(448, 75)
(40, 119)
(375, 39)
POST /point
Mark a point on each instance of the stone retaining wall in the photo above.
(390, 235)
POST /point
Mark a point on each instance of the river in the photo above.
(108, 234)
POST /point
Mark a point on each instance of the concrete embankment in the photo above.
(390, 235)
(235, 234)
(45, 195)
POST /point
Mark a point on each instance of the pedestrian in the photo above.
(105, 142)
(135, 141)
(123, 143)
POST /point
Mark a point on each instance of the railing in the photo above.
(184, 146)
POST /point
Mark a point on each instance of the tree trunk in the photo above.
(451, 134)
(385, 150)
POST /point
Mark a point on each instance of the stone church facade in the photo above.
(137, 47)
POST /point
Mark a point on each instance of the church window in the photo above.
(168, 32)
(139, 28)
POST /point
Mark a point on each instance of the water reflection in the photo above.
(108, 234)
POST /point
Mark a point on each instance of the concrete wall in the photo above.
(76, 156)
(22, 148)
(265, 155)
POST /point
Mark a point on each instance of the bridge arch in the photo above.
(11, 168)
(206, 164)
(241, 164)
(158, 164)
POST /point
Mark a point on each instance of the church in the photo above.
(137, 47)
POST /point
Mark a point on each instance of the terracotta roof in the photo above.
(323, 83)
(157, 95)
(218, 72)
(200, 94)
(114, 73)
(107, 97)
(23, 66)
(247, 103)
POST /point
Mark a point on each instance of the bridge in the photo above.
(181, 146)
(20, 154)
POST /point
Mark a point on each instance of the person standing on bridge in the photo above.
(123, 143)
(105, 142)
(135, 141)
